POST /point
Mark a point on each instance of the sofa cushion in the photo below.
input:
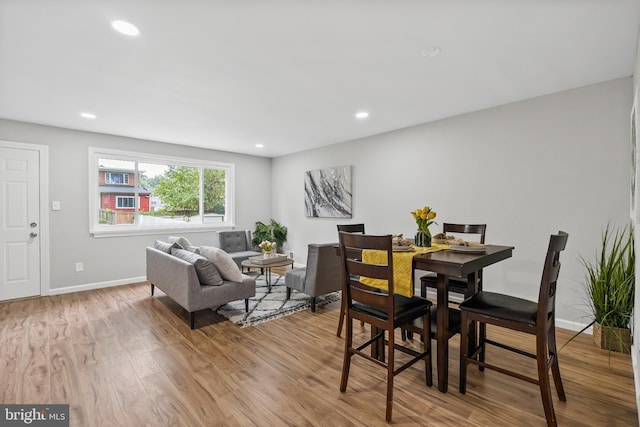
(206, 270)
(164, 246)
(223, 261)
(184, 243)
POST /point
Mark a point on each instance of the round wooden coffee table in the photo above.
(249, 264)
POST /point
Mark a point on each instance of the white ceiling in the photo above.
(291, 74)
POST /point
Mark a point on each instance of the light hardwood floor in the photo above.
(121, 357)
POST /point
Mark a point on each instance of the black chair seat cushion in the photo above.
(502, 306)
(459, 286)
(454, 322)
(405, 309)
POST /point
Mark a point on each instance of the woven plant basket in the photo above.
(614, 339)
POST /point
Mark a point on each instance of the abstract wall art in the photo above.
(327, 192)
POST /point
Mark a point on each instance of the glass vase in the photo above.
(422, 239)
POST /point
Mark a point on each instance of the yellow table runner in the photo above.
(402, 267)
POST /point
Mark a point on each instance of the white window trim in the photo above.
(99, 230)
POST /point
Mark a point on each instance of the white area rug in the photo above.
(267, 306)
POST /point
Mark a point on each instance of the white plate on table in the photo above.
(469, 249)
(402, 248)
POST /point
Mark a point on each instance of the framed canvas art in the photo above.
(327, 192)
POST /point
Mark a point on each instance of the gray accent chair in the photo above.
(320, 276)
(179, 280)
(237, 243)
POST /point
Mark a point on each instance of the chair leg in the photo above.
(288, 294)
(346, 363)
(246, 305)
(464, 350)
(543, 378)
(482, 336)
(555, 367)
(342, 316)
(390, 364)
(152, 288)
(193, 319)
(313, 304)
(426, 342)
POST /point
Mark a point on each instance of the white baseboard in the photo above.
(98, 285)
(573, 326)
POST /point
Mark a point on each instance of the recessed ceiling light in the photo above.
(88, 115)
(126, 28)
(259, 145)
(362, 115)
(431, 52)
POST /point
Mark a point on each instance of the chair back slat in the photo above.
(373, 271)
(351, 228)
(370, 297)
(550, 273)
(480, 229)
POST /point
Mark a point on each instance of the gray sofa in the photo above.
(237, 243)
(179, 280)
(322, 274)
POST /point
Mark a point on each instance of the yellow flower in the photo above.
(424, 217)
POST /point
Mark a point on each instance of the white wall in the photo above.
(528, 169)
(120, 259)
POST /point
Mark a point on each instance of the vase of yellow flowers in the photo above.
(424, 217)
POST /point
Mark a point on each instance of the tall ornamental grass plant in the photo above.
(611, 279)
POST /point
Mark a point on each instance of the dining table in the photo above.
(445, 262)
(451, 263)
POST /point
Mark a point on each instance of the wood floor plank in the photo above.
(36, 382)
(118, 356)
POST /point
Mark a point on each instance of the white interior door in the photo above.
(19, 223)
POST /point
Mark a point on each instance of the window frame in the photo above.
(98, 230)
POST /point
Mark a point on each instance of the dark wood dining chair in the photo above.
(520, 315)
(347, 228)
(456, 285)
(382, 309)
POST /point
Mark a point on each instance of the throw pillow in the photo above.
(164, 246)
(206, 270)
(223, 261)
(184, 243)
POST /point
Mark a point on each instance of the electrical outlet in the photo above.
(290, 254)
(79, 267)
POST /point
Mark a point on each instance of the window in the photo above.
(137, 193)
(125, 202)
(116, 178)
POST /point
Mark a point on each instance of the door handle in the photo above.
(32, 234)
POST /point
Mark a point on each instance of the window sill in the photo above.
(125, 231)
